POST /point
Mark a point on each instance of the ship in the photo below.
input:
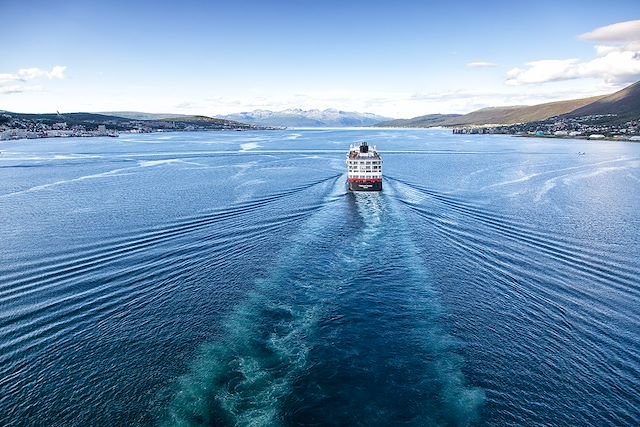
(364, 168)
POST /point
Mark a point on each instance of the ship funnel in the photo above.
(364, 147)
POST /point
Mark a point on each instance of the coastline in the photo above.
(582, 138)
(116, 134)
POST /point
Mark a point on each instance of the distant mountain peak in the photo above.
(297, 117)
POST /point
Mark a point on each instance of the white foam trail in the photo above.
(249, 146)
(8, 156)
(243, 168)
(537, 174)
(108, 174)
(151, 163)
(115, 172)
(73, 157)
(548, 186)
(600, 171)
(248, 187)
(572, 178)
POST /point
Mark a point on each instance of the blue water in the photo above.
(227, 278)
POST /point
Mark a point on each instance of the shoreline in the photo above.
(581, 138)
(116, 134)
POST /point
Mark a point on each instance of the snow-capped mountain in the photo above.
(306, 118)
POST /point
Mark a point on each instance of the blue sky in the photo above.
(398, 59)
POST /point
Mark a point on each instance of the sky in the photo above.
(393, 58)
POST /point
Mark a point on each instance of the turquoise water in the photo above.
(228, 278)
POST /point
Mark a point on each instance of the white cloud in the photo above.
(9, 78)
(602, 50)
(617, 62)
(616, 33)
(56, 72)
(482, 64)
(13, 83)
(546, 70)
(613, 66)
(19, 89)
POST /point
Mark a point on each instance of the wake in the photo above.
(345, 330)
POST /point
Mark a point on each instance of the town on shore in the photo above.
(56, 130)
(583, 127)
(32, 126)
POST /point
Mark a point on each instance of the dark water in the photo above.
(229, 279)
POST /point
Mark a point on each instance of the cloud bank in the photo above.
(15, 82)
(617, 62)
(482, 64)
(621, 32)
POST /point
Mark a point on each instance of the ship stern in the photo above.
(365, 185)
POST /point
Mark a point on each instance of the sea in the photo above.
(230, 279)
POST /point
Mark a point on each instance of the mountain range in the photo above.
(618, 107)
(624, 104)
(306, 118)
